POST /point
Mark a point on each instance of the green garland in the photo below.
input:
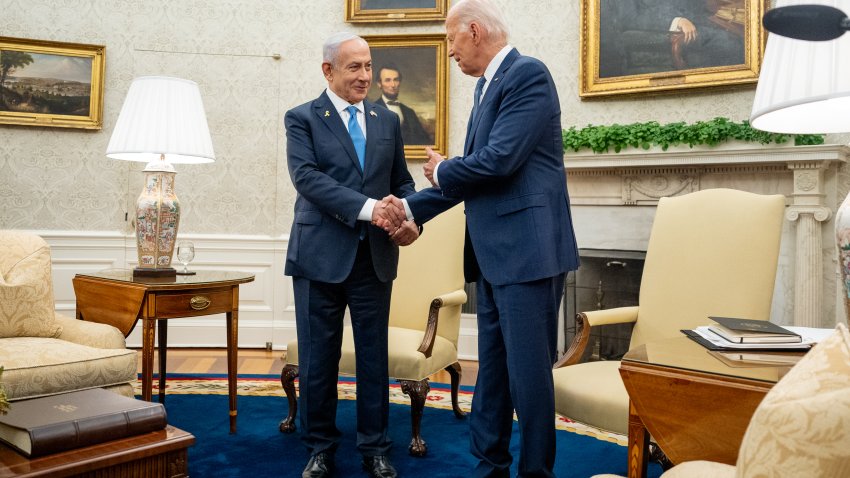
(600, 139)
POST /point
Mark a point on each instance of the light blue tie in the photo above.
(479, 88)
(356, 136)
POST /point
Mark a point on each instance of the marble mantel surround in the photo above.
(614, 196)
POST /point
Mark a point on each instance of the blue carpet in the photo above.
(259, 450)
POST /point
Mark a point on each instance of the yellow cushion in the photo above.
(405, 362)
(26, 287)
(36, 366)
(802, 427)
(593, 393)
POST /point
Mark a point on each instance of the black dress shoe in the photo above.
(321, 465)
(379, 466)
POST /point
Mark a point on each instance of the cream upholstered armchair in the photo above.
(45, 353)
(801, 429)
(712, 252)
(424, 322)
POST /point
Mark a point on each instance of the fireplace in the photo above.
(613, 199)
(606, 279)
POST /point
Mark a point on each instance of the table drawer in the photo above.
(205, 302)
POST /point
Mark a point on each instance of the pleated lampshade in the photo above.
(804, 86)
(162, 116)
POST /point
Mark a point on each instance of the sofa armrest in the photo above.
(586, 320)
(93, 334)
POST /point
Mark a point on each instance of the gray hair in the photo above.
(330, 50)
(485, 14)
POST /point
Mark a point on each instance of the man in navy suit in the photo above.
(520, 241)
(344, 152)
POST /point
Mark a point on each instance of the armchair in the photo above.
(424, 322)
(712, 252)
(45, 353)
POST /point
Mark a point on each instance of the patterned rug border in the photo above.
(269, 386)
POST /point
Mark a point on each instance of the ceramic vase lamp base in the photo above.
(157, 218)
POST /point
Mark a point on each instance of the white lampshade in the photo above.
(162, 116)
(804, 86)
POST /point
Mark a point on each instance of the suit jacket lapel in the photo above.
(493, 90)
(325, 110)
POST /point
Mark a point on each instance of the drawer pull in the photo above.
(199, 302)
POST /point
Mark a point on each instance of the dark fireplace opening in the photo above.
(606, 279)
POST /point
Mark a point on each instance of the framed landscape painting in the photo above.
(45, 83)
(639, 46)
(410, 78)
(357, 11)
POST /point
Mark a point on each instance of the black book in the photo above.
(39, 426)
(748, 331)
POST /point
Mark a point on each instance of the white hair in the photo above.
(485, 14)
(330, 50)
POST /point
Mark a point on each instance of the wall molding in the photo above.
(266, 306)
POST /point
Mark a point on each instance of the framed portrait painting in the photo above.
(46, 83)
(395, 10)
(639, 46)
(410, 78)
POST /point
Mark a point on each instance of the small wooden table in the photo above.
(161, 454)
(694, 406)
(117, 298)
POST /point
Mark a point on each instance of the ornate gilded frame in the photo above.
(593, 84)
(357, 12)
(423, 61)
(44, 51)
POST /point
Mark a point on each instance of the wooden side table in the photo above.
(117, 298)
(694, 406)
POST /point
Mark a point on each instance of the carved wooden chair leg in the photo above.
(417, 391)
(657, 455)
(455, 373)
(287, 379)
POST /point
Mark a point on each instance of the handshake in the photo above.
(390, 216)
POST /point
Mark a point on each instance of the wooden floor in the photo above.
(261, 361)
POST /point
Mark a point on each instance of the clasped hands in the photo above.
(390, 216)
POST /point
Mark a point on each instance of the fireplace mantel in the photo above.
(613, 198)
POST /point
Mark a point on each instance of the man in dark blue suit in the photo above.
(520, 241)
(343, 152)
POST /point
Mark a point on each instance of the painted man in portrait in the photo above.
(388, 77)
(653, 36)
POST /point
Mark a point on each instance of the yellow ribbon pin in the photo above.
(327, 113)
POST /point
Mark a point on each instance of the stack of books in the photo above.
(728, 333)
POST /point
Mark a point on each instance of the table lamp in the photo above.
(162, 122)
(804, 86)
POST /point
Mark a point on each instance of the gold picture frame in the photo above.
(47, 83)
(418, 67)
(644, 46)
(369, 11)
